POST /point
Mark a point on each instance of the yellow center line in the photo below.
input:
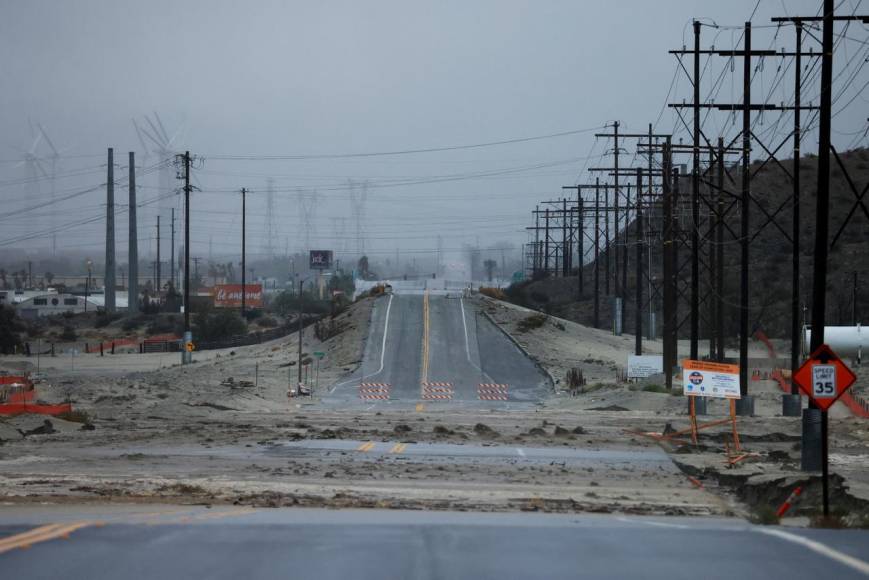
(420, 407)
(40, 534)
(366, 447)
(398, 448)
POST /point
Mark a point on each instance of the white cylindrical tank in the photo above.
(846, 341)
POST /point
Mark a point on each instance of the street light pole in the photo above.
(299, 386)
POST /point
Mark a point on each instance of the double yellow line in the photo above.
(397, 448)
(41, 534)
(425, 341)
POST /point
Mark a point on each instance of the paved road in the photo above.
(134, 542)
(435, 348)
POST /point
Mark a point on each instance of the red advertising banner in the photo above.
(229, 296)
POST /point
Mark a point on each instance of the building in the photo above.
(53, 303)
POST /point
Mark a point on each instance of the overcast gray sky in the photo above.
(256, 79)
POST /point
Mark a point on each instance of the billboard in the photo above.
(320, 260)
(229, 295)
(710, 379)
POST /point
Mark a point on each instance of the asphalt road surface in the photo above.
(137, 542)
(435, 348)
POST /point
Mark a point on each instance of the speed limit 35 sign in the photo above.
(824, 377)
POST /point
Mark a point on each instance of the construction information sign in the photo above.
(643, 366)
(710, 379)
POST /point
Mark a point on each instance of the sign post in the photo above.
(711, 379)
(824, 378)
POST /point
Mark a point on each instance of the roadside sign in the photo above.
(824, 377)
(319, 354)
(710, 379)
(643, 366)
(320, 259)
(190, 346)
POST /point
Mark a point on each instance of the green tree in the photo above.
(218, 324)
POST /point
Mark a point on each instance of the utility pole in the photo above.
(109, 278)
(536, 267)
(196, 260)
(597, 253)
(606, 236)
(243, 247)
(638, 322)
(822, 222)
(719, 261)
(565, 246)
(745, 404)
(546, 246)
(186, 356)
(133, 243)
(301, 327)
(172, 250)
(157, 273)
(616, 199)
(695, 203)
(669, 289)
(792, 405)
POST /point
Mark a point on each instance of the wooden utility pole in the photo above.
(157, 272)
(669, 288)
(172, 251)
(638, 322)
(133, 243)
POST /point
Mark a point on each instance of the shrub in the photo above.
(219, 324)
(68, 334)
(531, 322)
(267, 322)
(495, 293)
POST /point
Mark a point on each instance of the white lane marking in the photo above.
(824, 550)
(385, 333)
(465, 325)
(382, 350)
(653, 523)
(467, 343)
(520, 452)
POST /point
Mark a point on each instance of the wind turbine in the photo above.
(34, 170)
(163, 146)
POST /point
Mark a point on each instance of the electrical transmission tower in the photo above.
(307, 213)
(268, 242)
(358, 199)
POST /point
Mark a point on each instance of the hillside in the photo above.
(770, 256)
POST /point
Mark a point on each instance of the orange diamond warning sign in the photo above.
(824, 377)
